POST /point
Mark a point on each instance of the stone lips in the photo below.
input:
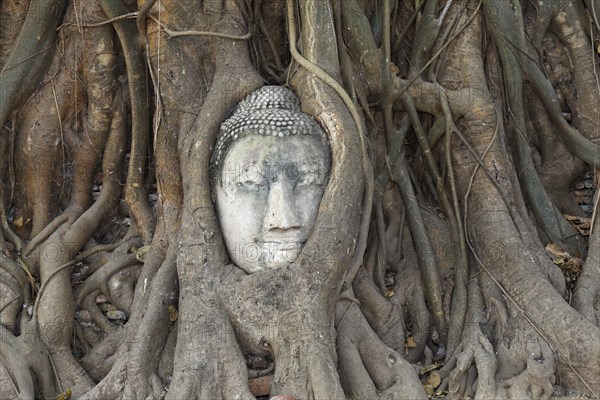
(271, 111)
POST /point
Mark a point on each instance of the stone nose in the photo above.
(281, 213)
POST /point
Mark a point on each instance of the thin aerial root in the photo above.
(44, 234)
(367, 167)
(136, 194)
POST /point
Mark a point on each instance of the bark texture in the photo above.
(456, 251)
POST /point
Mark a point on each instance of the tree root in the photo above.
(305, 366)
(520, 365)
(99, 361)
(211, 368)
(368, 368)
(100, 278)
(121, 288)
(29, 55)
(535, 381)
(586, 298)
(414, 300)
(292, 314)
(399, 173)
(136, 195)
(15, 293)
(475, 350)
(18, 374)
(26, 361)
(150, 337)
(383, 316)
(140, 344)
(55, 321)
(553, 227)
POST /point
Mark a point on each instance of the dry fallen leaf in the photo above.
(173, 314)
(570, 266)
(65, 396)
(18, 223)
(556, 251)
(410, 342)
(581, 224)
(434, 379)
(428, 389)
(140, 253)
(428, 368)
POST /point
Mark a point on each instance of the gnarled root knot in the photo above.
(368, 368)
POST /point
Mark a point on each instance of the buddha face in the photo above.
(268, 194)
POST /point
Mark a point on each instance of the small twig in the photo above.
(23, 265)
(141, 18)
(55, 372)
(346, 295)
(8, 68)
(477, 157)
(430, 163)
(459, 297)
(11, 168)
(45, 233)
(173, 33)
(382, 253)
(450, 28)
(441, 49)
(77, 259)
(595, 211)
(409, 24)
(344, 317)
(479, 164)
(62, 136)
(7, 230)
(207, 33)
(367, 168)
(595, 17)
(16, 299)
(109, 21)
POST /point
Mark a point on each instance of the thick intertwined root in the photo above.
(368, 368)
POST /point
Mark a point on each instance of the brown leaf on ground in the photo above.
(581, 224)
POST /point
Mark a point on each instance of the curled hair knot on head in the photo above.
(268, 111)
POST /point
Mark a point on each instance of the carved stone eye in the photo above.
(292, 173)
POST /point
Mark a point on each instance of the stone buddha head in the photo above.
(269, 170)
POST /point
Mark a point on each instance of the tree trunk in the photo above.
(456, 248)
